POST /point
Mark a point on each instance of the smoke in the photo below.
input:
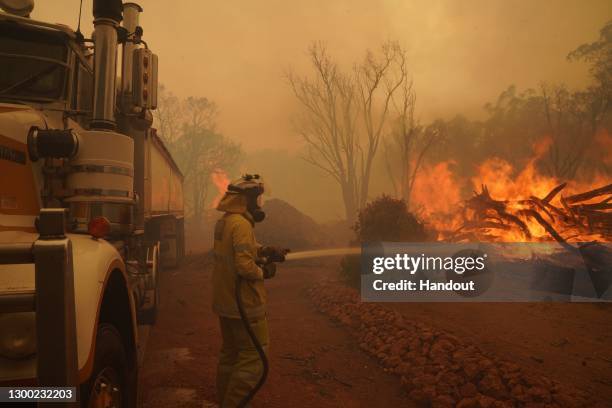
(461, 55)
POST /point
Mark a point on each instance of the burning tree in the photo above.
(407, 146)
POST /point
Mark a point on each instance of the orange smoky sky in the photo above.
(462, 53)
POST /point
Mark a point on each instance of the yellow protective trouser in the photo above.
(240, 367)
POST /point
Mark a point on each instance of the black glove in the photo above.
(274, 254)
(269, 270)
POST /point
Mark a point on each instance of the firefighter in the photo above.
(236, 253)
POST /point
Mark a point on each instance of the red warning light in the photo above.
(98, 227)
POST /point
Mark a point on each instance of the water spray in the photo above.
(322, 253)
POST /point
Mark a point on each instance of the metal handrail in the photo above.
(52, 300)
(11, 254)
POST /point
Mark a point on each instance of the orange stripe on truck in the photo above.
(18, 195)
(7, 109)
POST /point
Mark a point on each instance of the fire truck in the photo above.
(91, 202)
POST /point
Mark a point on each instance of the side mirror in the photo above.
(144, 79)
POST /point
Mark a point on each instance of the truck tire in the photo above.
(108, 384)
(148, 313)
(172, 242)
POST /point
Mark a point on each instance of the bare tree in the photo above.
(408, 142)
(345, 114)
(188, 128)
(378, 80)
(169, 115)
(572, 121)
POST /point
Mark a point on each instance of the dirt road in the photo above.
(314, 363)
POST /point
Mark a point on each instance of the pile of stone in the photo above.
(436, 368)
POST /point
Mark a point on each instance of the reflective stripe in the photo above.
(102, 192)
(93, 168)
(253, 312)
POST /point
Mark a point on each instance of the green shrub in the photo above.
(384, 219)
(388, 219)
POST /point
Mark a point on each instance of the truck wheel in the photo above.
(148, 314)
(107, 386)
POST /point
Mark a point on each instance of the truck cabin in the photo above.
(43, 66)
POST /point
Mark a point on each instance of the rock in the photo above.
(436, 368)
(485, 401)
(430, 392)
(511, 376)
(539, 394)
(459, 356)
(426, 335)
(471, 370)
(451, 378)
(468, 390)
(424, 380)
(468, 403)
(518, 392)
(485, 364)
(492, 385)
(503, 404)
(415, 344)
(442, 346)
(393, 361)
(418, 396)
(509, 367)
(398, 348)
(443, 401)
(404, 369)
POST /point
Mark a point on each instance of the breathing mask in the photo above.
(252, 187)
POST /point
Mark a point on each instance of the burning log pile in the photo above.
(436, 368)
(575, 218)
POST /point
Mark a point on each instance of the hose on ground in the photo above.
(256, 343)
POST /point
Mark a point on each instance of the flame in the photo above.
(508, 206)
(440, 182)
(221, 181)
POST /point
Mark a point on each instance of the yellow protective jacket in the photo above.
(235, 252)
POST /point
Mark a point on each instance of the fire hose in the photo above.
(273, 255)
(256, 343)
(279, 256)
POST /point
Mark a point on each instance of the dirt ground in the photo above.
(315, 363)
(568, 342)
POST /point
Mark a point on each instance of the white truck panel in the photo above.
(92, 259)
(163, 181)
